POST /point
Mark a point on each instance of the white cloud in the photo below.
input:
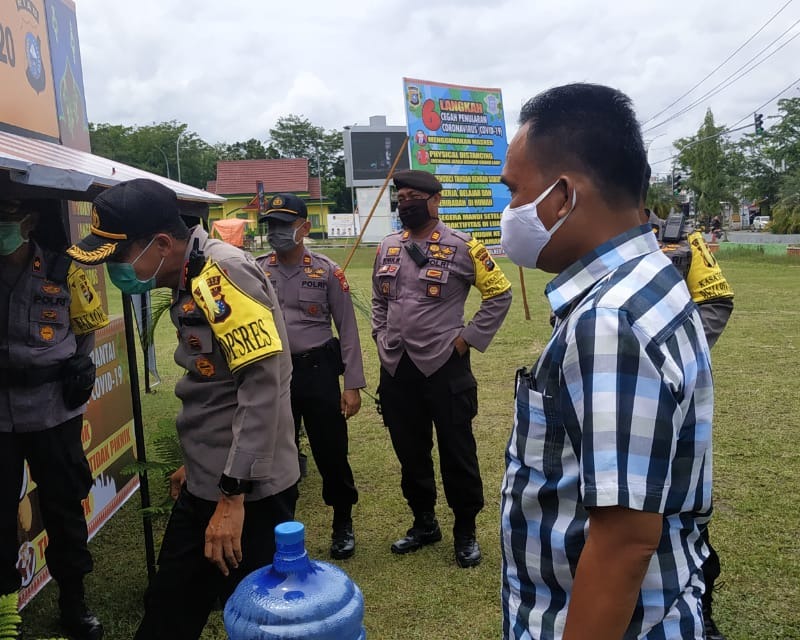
(229, 70)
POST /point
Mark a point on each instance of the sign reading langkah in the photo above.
(458, 133)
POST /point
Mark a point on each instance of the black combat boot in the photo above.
(76, 618)
(465, 544)
(343, 540)
(712, 633)
(425, 531)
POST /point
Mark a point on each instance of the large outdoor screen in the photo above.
(374, 152)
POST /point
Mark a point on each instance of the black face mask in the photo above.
(414, 213)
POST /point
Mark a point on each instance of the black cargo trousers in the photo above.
(412, 404)
(58, 466)
(316, 402)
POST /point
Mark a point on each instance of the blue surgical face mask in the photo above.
(123, 275)
(11, 236)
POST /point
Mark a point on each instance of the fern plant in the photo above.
(10, 618)
(164, 457)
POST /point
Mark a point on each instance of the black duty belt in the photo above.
(31, 377)
(310, 358)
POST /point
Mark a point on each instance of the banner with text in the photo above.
(459, 134)
(108, 441)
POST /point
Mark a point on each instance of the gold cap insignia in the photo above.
(277, 201)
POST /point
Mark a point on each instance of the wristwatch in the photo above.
(233, 486)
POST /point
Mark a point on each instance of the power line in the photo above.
(721, 64)
(724, 84)
(734, 126)
(770, 101)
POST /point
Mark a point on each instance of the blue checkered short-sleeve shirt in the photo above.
(616, 412)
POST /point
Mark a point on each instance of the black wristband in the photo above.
(233, 486)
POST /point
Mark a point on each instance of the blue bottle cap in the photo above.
(289, 533)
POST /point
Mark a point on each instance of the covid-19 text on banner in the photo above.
(459, 134)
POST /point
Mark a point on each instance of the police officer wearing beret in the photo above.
(312, 290)
(421, 279)
(48, 315)
(235, 424)
(713, 295)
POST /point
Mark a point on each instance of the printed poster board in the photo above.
(458, 133)
(27, 98)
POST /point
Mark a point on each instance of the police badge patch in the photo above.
(205, 367)
(339, 274)
(210, 290)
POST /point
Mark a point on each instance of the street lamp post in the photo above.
(352, 171)
(178, 152)
(650, 141)
(166, 162)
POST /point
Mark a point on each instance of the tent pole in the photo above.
(138, 428)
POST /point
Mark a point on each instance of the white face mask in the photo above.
(523, 234)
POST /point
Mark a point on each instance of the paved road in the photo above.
(761, 237)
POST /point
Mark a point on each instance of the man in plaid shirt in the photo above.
(608, 469)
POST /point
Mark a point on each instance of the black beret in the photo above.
(419, 180)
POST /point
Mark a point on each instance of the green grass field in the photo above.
(424, 595)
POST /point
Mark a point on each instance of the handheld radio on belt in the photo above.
(197, 260)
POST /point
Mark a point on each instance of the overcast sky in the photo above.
(230, 68)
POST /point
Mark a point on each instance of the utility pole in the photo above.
(319, 175)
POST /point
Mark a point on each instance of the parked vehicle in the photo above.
(760, 223)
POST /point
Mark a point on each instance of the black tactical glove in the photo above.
(78, 380)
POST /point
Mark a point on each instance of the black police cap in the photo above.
(127, 211)
(419, 180)
(285, 207)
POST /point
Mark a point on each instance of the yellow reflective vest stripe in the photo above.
(705, 279)
(244, 327)
(85, 308)
(489, 279)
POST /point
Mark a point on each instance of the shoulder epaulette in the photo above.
(57, 266)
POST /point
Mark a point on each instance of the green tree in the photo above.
(703, 156)
(296, 136)
(251, 149)
(786, 213)
(154, 148)
(782, 140)
(660, 198)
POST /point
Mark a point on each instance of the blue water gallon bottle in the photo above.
(295, 597)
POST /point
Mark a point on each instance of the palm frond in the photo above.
(160, 302)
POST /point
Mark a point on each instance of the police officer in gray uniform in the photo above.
(311, 290)
(235, 425)
(421, 280)
(714, 297)
(46, 377)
